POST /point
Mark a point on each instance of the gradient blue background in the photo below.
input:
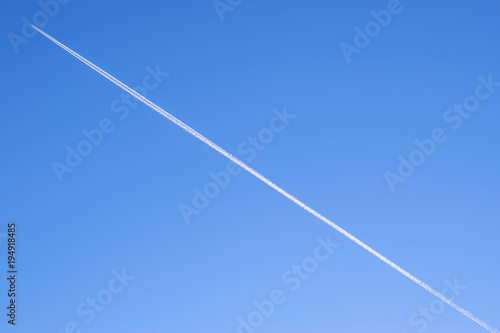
(119, 208)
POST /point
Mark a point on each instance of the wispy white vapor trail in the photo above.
(268, 182)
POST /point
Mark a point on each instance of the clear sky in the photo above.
(385, 121)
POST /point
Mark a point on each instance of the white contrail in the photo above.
(268, 182)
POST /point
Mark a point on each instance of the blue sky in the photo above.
(117, 213)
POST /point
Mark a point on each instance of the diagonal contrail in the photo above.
(268, 182)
